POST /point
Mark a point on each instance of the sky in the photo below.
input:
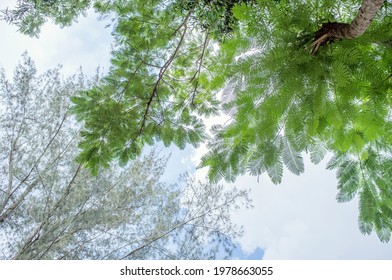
(298, 219)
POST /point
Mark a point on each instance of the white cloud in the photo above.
(300, 219)
(86, 43)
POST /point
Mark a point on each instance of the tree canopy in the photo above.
(295, 77)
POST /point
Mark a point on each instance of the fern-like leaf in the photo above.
(348, 180)
(367, 209)
(365, 227)
(292, 159)
(275, 172)
(382, 230)
(317, 152)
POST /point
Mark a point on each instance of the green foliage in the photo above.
(287, 102)
(30, 15)
(172, 58)
(220, 17)
(158, 87)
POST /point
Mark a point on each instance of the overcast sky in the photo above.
(298, 219)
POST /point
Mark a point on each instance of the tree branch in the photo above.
(335, 30)
(164, 234)
(197, 73)
(163, 71)
(35, 234)
(6, 213)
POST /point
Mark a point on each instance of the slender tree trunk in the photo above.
(336, 30)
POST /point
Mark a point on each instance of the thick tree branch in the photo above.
(335, 30)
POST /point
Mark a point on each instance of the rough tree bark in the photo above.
(335, 30)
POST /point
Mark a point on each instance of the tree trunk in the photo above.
(335, 30)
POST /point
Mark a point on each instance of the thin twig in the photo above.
(197, 73)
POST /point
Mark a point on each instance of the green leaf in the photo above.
(348, 180)
(365, 227)
(275, 172)
(291, 158)
(367, 210)
(318, 151)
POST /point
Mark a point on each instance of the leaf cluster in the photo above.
(30, 15)
(287, 103)
(158, 87)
